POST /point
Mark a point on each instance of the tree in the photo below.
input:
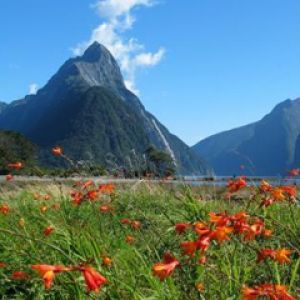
(159, 162)
(15, 147)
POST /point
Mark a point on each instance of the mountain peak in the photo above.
(94, 52)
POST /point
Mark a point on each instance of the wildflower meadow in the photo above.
(75, 239)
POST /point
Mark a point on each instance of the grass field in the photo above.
(123, 233)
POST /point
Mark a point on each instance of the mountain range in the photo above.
(270, 146)
(87, 109)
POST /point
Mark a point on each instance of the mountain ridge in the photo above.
(267, 147)
(94, 75)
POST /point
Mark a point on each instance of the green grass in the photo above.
(83, 234)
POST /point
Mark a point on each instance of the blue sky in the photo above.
(221, 63)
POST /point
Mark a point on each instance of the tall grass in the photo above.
(84, 234)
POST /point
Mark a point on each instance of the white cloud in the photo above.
(130, 53)
(33, 88)
(149, 59)
(116, 8)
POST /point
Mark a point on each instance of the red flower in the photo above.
(48, 230)
(19, 275)
(268, 291)
(9, 177)
(166, 268)
(77, 197)
(201, 228)
(43, 208)
(106, 261)
(180, 228)
(221, 233)
(106, 208)
(107, 188)
(125, 221)
(237, 184)
(4, 209)
(57, 151)
(17, 165)
(48, 272)
(129, 239)
(291, 191)
(189, 248)
(92, 195)
(93, 279)
(265, 186)
(136, 225)
(280, 255)
(87, 184)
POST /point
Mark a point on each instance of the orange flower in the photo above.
(46, 197)
(277, 194)
(200, 287)
(106, 261)
(43, 209)
(267, 202)
(237, 184)
(57, 151)
(19, 275)
(264, 253)
(48, 230)
(17, 165)
(268, 291)
(267, 232)
(107, 188)
(221, 233)
(136, 225)
(189, 248)
(129, 239)
(291, 191)
(9, 177)
(87, 184)
(93, 279)
(125, 221)
(280, 255)
(48, 273)
(92, 195)
(201, 228)
(219, 219)
(251, 231)
(77, 197)
(4, 209)
(105, 208)
(203, 242)
(265, 186)
(164, 269)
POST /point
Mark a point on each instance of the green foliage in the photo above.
(160, 162)
(15, 147)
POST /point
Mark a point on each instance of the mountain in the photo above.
(270, 146)
(2, 106)
(86, 108)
